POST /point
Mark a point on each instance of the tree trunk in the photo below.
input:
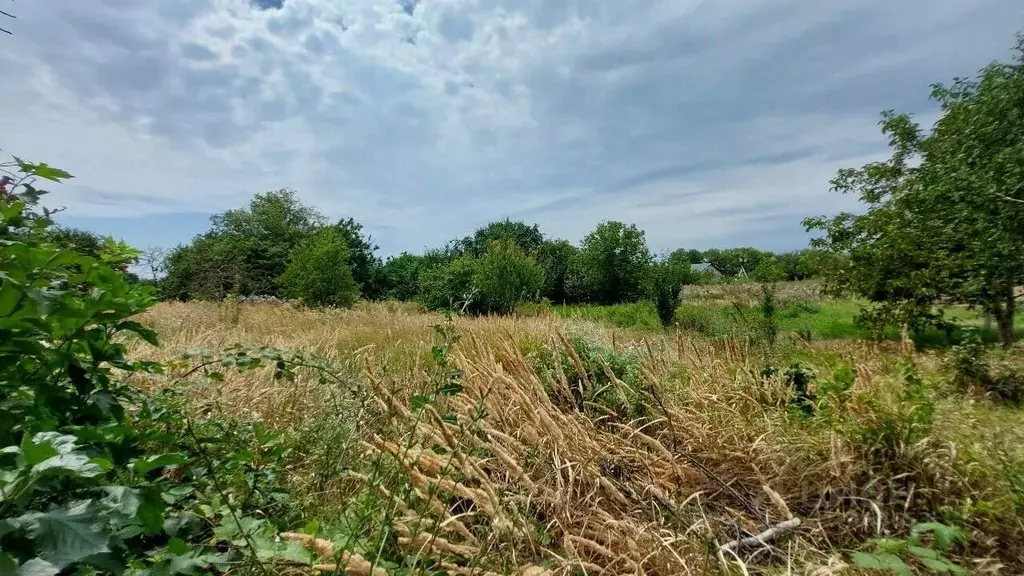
(1005, 317)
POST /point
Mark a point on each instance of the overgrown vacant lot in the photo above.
(542, 444)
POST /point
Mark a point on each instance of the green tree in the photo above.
(528, 238)
(362, 258)
(945, 214)
(555, 257)
(318, 272)
(506, 277)
(613, 263)
(450, 285)
(245, 251)
(731, 261)
(400, 276)
(666, 281)
(769, 270)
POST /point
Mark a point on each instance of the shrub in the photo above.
(318, 273)
(95, 476)
(666, 284)
(972, 364)
(506, 277)
(448, 286)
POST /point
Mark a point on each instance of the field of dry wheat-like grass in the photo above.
(550, 446)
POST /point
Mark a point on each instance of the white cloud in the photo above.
(699, 121)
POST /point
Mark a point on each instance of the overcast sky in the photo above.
(703, 122)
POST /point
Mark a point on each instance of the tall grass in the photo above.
(548, 445)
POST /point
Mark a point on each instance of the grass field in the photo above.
(591, 441)
(733, 311)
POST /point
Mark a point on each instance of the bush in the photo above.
(973, 365)
(95, 476)
(449, 286)
(666, 284)
(506, 277)
(318, 273)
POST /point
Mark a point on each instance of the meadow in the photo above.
(588, 440)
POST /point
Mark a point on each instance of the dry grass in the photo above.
(517, 477)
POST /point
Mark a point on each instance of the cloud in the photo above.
(703, 122)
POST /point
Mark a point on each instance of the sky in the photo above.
(705, 123)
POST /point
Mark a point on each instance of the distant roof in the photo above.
(704, 267)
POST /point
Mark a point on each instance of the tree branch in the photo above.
(762, 538)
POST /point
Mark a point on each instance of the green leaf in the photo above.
(33, 453)
(419, 402)
(8, 565)
(889, 545)
(924, 552)
(150, 463)
(37, 567)
(64, 536)
(47, 172)
(884, 562)
(943, 566)
(944, 535)
(151, 512)
(147, 334)
(9, 298)
(121, 500)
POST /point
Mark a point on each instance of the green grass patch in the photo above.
(637, 316)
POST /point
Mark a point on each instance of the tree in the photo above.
(613, 263)
(362, 258)
(731, 260)
(152, 259)
(318, 272)
(527, 238)
(945, 214)
(450, 285)
(245, 251)
(769, 270)
(667, 278)
(262, 237)
(400, 276)
(555, 257)
(506, 277)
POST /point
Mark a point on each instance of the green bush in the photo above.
(95, 476)
(993, 371)
(449, 286)
(506, 277)
(318, 273)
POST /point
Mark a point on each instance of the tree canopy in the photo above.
(944, 215)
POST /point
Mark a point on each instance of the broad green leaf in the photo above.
(890, 545)
(75, 463)
(33, 453)
(145, 465)
(923, 552)
(122, 500)
(944, 535)
(47, 172)
(8, 565)
(943, 566)
(885, 562)
(64, 536)
(9, 298)
(419, 402)
(147, 334)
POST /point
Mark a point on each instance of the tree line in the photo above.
(277, 246)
